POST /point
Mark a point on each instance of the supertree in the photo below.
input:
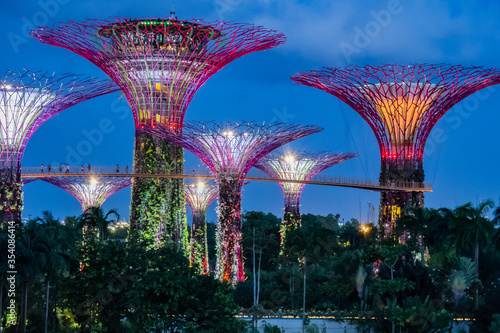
(159, 64)
(90, 191)
(27, 100)
(299, 165)
(199, 196)
(230, 150)
(401, 104)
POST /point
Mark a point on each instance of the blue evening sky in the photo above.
(461, 157)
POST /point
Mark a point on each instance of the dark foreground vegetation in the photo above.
(438, 265)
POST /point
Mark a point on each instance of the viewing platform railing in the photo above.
(126, 171)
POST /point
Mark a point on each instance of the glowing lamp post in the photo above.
(27, 100)
(159, 64)
(297, 166)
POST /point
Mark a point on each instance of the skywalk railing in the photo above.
(126, 171)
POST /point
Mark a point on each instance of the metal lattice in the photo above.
(299, 165)
(159, 63)
(90, 191)
(28, 99)
(199, 195)
(401, 103)
(230, 150)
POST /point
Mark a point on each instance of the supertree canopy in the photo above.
(230, 150)
(159, 64)
(90, 191)
(299, 165)
(27, 100)
(401, 104)
(199, 196)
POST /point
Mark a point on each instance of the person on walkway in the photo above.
(117, 168)
(42, 168)
(67, 167)
(48, 168)
(60, 167)
(126, 169)
(82, 168)
(89, 168)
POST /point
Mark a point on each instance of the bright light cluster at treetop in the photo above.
(199, 196)
(159, 64)
(27, 100)
(230, 150)
(90, 191)
(299, 165)
(401, 104)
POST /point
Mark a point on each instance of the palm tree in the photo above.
(473, 228)
(58, 255)
(461, 279)
(415, 223)
(95, 220)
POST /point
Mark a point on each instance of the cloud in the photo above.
(341, 33)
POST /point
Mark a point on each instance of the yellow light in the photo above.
(93, 181)
(228, 134)
(289, 159)
(201, 185)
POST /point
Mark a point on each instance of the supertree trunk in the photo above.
(11, 194)
(199, 250)
(392, 202)
(291, 218)
(229, 254)
(157, 209)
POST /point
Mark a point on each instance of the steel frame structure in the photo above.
(300, 165)
(90, 191)
(401, 104)
(159, 64)
(229, 150)
(27, 100)
(199, 195)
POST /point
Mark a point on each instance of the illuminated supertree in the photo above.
(297, 166)
(401, 104)
(27, 100)
(90, 191)
(199, 196)
(159, 64)
(230, 150)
